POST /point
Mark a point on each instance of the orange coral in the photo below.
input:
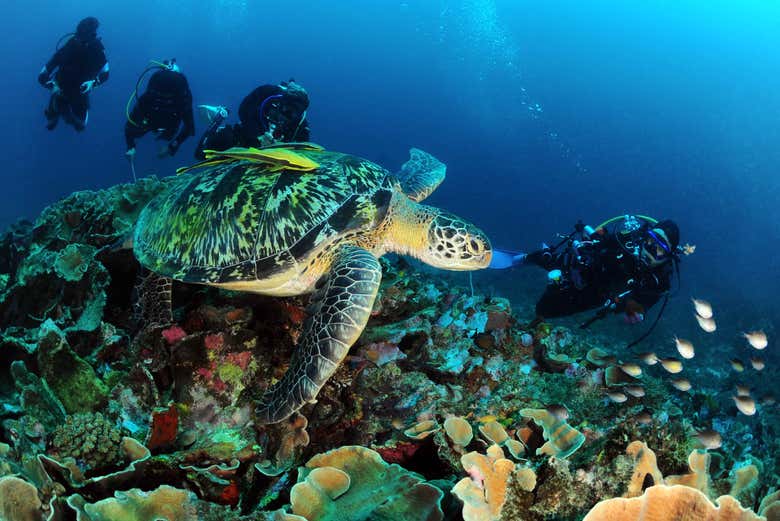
(483, 494)
(662, 502)
(422, 429)
(562, 439)
(644, 464)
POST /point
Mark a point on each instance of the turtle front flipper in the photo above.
(421, 174)
(337, 314)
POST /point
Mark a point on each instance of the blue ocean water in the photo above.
(545, 112)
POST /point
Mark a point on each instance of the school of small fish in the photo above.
(705, 317)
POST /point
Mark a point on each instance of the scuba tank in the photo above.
(154, 65)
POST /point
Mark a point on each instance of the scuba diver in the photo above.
(626, 269)
(165, 108)
(72, 73)
(269, 114)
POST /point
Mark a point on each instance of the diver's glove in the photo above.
(88, 86)
(130, 154)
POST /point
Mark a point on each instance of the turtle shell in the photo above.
(242, 221)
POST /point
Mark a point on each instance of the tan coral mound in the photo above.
(562, 439)
(19, 500)
(699, 478)
(667, 503)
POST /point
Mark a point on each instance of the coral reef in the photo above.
(451, 404)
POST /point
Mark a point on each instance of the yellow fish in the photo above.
(737, 365)
(757, 339)
(707, 324)
(743, 390)
(684, 347)
(703, 308)
(711, 439)
(688, 249)
(672, 365)
(681, 384)
(631, 369)
(745, 404)
(617, 396)
(648, 358)
(274, 159)
(637, 391)
(757, 363)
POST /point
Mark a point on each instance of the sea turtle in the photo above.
(240, 224)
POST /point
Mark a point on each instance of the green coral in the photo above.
(353, 483)
(92, 440)
(70, 377)
(73, 260)
(165, 503)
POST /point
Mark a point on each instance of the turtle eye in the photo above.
(475, 246)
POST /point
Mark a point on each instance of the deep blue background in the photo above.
(546, 112)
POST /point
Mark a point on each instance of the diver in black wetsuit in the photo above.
(625, 271)
(164, 108)
(75, 69)
(269, 114)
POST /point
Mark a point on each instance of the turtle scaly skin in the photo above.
(248, 227)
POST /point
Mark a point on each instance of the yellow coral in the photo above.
(164, 504)
(483, 494)
(562, 439)
(644, 464)
(678, 503)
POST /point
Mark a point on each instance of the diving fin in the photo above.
(503, 259)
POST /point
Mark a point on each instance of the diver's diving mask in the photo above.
(656, 249)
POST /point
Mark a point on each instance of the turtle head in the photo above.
(455, 244)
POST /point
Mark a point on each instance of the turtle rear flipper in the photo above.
(152, 306)
(339, 310)
(421, 174)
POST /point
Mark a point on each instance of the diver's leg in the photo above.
(80, 111)
(215, 138)
(52, 112)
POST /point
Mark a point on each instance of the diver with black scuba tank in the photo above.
(165, 108)
(267, 115)
(626, 269)
(75, 69)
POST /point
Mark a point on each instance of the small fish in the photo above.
(703, 308)
(637, 391)
(649, 358)
(617, 396)
(688, 249)
(757, 339)
(711, 439)
(681, 384)
(644, 417)
(631, 369)
(672, 365)
(745, 404)
(707, 324)
(737, 365)
(743, 390)
(684, 347)
(757, 363)
(559, 411)
(487, 418)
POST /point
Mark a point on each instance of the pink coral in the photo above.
(214, 342)
(173, 334)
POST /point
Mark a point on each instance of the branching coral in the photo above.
(92, 440)
(353, 483)
(483, 494)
